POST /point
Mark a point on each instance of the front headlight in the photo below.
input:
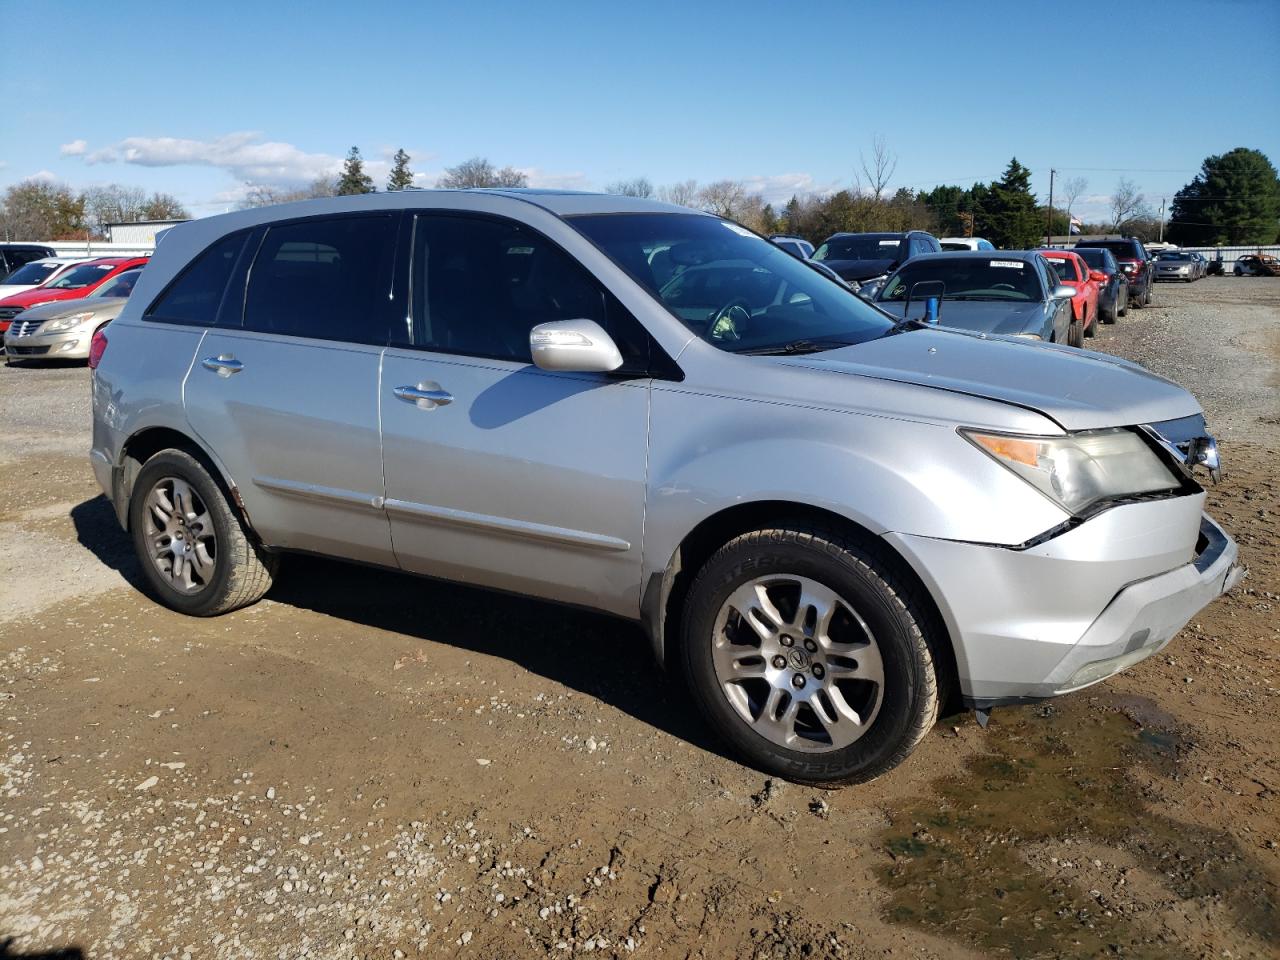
(66, 323)
(1080, 469)
(1029, 336)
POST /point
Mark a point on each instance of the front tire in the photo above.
(1075, 335)
(197, 558)
(806, 653)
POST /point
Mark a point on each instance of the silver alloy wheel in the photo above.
(797, 663)
(180, 535)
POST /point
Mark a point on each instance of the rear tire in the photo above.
(197, 558)
(806, 652)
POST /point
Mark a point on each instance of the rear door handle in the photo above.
(426, 396)
(224, 364)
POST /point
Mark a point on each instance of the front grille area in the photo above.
(24, 328)
(26, 351)
(8, 313)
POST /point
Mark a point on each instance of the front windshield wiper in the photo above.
(796, 347)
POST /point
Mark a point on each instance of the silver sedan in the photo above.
(65, 329)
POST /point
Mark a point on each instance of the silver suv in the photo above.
(828, 520)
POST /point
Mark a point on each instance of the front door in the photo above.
(498, 473)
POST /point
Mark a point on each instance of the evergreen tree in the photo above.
(401, 177)
(1005, 213)
(1234, 200)
(353, 178)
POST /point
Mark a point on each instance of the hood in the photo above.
(104, 308)
(1079, 390)
(860, 269)
(980, 316)
(41, 295)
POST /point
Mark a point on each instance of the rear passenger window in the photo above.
(195, 296)
(479, 287)
(328, 278)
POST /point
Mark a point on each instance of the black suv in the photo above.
(871, 257)
(15, 255)
(1138, 265)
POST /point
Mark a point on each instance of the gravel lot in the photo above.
(369, 765)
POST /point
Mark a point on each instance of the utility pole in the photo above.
(1162, 219)
(1048, 227)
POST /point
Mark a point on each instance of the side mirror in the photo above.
(931, 292)
(1063, 292)
(1097, 276)
(576, 346)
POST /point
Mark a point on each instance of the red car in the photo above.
(1075, 273)
(79, 281)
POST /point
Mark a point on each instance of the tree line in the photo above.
(1234, 199)
(45, 210)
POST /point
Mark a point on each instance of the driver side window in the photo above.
(479, 286)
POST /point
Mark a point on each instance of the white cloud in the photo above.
(781, 187)
(76, 148)
(43, 176)
(246, 156)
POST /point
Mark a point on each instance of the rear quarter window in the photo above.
(197, 293)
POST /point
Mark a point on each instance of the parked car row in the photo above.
(1101, 279)
(829, 517)
(57, 317)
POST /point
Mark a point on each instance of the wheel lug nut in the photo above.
(779, 661)
(787, 641)
(810, 646)
(797, 681)
(818, 671)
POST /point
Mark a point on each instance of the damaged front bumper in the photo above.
(1081, 607)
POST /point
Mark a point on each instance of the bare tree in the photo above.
(479, 172)
(639, 187)
(1073, 189)
(682, 194)
(723, 198)
(262, 194)
(879, 171)
(1127, 203)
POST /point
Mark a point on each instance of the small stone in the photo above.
(148, 783)
(271, 793)
(483, 762)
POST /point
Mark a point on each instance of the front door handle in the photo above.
(426, 396)
(224, 364)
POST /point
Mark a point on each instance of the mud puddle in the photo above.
(1055, 845)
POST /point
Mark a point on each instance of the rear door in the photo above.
(285, 391)
(499, 473)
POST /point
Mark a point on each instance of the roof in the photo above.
(146, 223)
(1024, 255)
(119, 261)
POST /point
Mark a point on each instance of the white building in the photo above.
(141, 233)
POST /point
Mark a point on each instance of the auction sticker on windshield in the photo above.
(1016, 264)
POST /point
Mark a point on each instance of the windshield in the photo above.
(968, 278)
(862, 246)
(1096, 259)
(120, 285)
(34, 273)
(1064, 268)
(731, 287)
(82, 276)
(956, 245)
(1173, 255)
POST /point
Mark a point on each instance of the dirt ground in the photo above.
(369, 765)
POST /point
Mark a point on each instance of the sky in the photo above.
(202, 99)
